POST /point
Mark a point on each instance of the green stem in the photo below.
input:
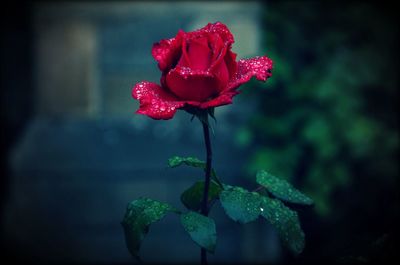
(204, 205)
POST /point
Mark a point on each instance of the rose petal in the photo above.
(222, 99)
(219, 52)
(223, 31)
(192, 85)
(221, 72)
(230, 60)
(217, 28)
(218, 66)
(184, 61)
(199, 54)
(260, 67)
(167, 52)
(155, 102)
(217, 45)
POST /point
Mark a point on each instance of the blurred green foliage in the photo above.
(327, 119)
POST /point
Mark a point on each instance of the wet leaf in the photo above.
(286, 222)
(140, 214)
(201, 229)
(193, 196)
(176, 161)
(189, 161)
(241, 205)
(281, 189)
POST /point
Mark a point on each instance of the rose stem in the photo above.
(204, 205)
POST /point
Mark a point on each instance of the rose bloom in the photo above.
(199, 70)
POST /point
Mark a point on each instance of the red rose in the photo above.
(198, 70)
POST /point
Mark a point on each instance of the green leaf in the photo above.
(286, 222)
(193, 196)
(176, 161)
(241, 205)
(140, 214)
(201, 229)
(281, 189)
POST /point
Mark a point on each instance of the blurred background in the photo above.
(73, 153)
